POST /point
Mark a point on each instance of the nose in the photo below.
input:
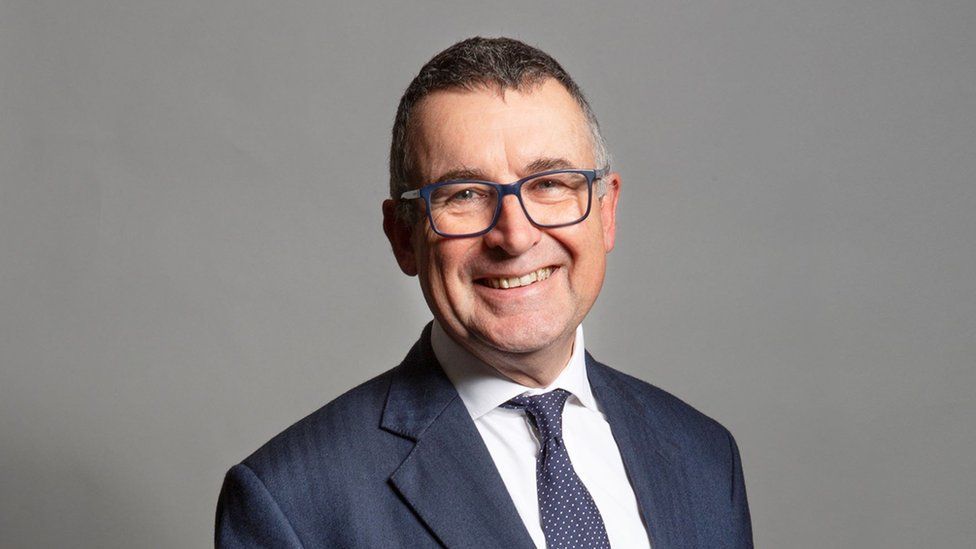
(513, 233)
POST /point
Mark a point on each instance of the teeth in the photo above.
(518, 281)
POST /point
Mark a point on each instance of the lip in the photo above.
(481, 279)
(515, 293)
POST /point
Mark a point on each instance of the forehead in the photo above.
(499, 132)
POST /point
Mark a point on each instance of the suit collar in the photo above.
(419, 392)
(651, 456)
(632, 408)
(448, 478)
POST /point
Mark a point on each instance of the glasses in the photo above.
(468, 207)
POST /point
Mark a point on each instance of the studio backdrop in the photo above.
(191, 253)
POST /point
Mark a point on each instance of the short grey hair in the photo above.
(476, 63)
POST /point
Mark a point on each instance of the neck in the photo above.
(532, 369)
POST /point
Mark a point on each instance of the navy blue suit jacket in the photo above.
(398, 462)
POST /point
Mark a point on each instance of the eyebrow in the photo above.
(536, 166)
(461, 173)
(546, 164)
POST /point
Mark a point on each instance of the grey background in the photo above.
(191, 255)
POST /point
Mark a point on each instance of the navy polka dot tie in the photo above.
(570, 518)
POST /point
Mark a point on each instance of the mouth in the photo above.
(506, 283)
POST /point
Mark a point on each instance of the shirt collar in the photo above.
(482, 388)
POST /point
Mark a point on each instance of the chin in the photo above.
(510, 338)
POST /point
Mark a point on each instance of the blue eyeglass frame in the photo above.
(503, 190)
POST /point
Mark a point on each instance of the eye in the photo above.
(548, 184)
(465, 195)
(458, 195)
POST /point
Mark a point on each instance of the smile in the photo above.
(518, 281)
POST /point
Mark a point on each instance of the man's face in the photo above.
(497, 137)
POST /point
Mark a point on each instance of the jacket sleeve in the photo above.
(248, 516)
(741, 520)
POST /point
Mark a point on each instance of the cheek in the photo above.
(445, 261)
(429, 254)
(589, 256)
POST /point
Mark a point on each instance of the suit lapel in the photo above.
(449, 478)
(652, 460)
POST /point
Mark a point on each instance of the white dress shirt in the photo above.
(514, 444)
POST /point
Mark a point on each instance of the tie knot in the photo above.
(546, 411)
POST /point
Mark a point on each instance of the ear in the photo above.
(398, 232)
(608, 210)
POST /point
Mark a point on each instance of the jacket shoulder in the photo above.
(339, 434)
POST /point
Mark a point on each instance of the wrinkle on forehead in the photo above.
(481, 131)
(536, 166)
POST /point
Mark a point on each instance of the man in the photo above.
(498, 429)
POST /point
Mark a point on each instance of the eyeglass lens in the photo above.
(468, 207)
